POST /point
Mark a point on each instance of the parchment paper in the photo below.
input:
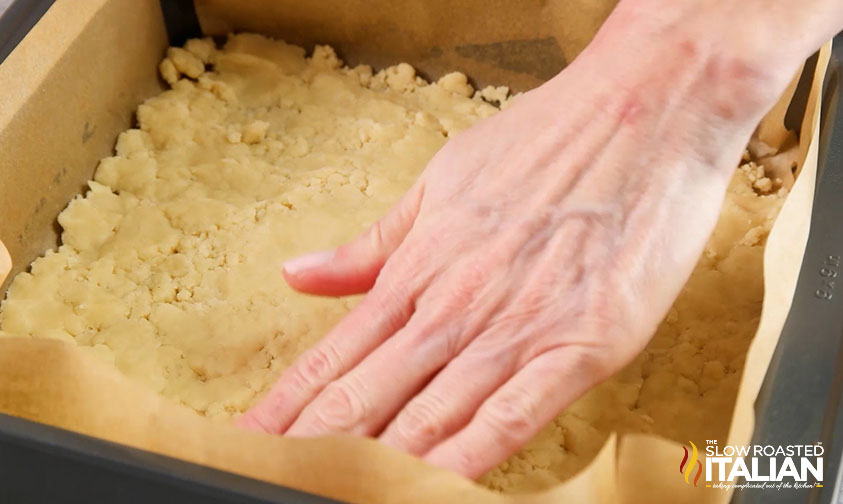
(52, 382)
(520, 44)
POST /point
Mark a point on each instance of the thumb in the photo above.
(352, 268)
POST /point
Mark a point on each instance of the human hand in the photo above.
(532, 259)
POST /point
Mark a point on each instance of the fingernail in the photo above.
(308, 261)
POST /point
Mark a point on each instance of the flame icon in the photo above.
(689, 468)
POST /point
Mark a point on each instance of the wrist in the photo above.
(771, 34)
(725, 53)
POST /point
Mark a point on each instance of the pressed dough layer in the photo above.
(169, 266)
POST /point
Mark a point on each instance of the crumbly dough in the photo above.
(169, 266)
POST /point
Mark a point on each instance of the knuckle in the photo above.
(511, 416)
(317, 366)
(436, 335)
(608, 335)
(341, 407)
(348, 251)
(406, 272)
(592, 360)
(519, 321)
(390, 302)
(452, 340)
(537, 304)
(469, 462)
(373, 239)
(595, 358)
(540, 295)
(420, 425)
(386, 288)
(471, 278)
(606, 307)
(377, 234)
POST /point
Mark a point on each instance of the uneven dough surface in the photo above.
(169, 266)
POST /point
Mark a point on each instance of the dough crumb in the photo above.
(255, 132)
(185, 62)
(401, 77)
(325, 57)
(168, 71)
(756, 174)
(457, 83)
(201, 48)
(234, 136)
(494, 94)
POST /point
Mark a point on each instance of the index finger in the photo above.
(379, 315)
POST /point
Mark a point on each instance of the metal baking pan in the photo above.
(40, 463)
(17, 20)
(799, 401)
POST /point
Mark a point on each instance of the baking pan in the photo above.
(16, 21)
(799, 402)
(40, 463)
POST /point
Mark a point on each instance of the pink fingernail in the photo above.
(308, 261)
